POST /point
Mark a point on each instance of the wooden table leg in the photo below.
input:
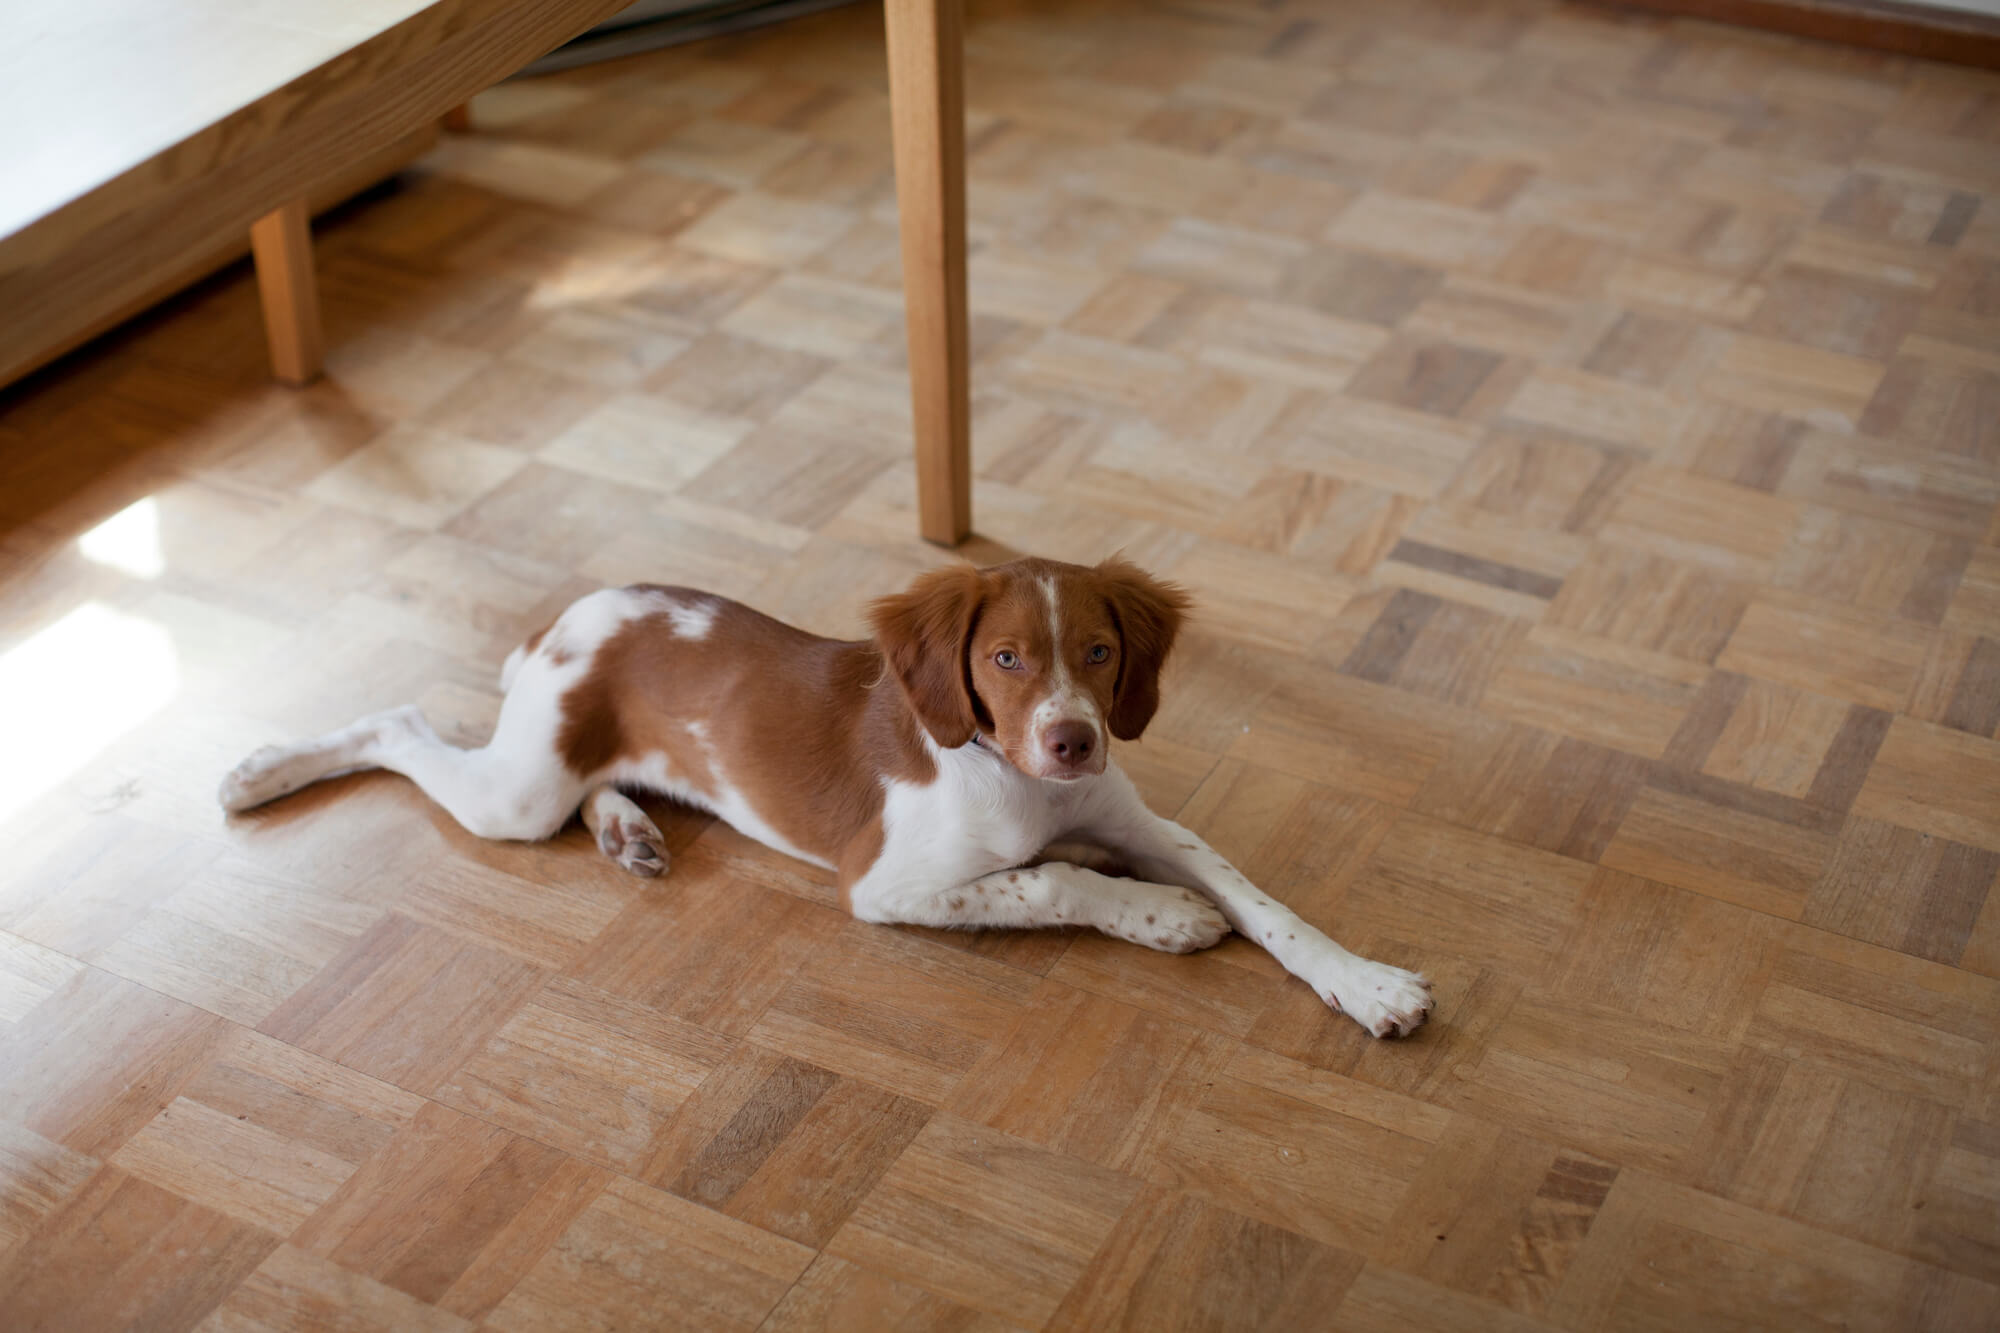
(927, 108)
(281, 241)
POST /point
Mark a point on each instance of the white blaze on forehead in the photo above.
(1064, 702)
(692, 621)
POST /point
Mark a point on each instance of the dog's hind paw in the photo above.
(634, 843)
(258, 779)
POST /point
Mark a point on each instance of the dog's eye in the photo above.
(1007, 661)
(1100, 653)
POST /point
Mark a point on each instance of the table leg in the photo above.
(281, 241)
(927, 110)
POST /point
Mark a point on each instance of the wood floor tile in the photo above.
(1975, 604)
(1293, 1164)
(1595, 690)
(1577, 435)
(638, 1254)
(547, 925)
(175, 1260)
(1963, 808)
(895, 1011)
(1892, 1026)
(1633, 1091)
(98, 1058)
(1711, 1259)
(36, 1176)
(1366, 738)
(1909, 891)
(591, 1074)
(1450, 1231)
(1018, 1224)
(362, 1008)
(237, 942)
(1734, 529)
(1175, 1259)
(1562, 795)
(1839, 313)
(1109, 1082)
(83, 903)
(1382, 1300)
(1873, 565)
(1651, 601)
(1720, 840)
(266, 1134)
(1432, 646)
(29, 974)
(1765, 735)
(826, 1164)
(1433, 882)
(428, 1205)
(1936, 406)
(716, 951)
(836, 1296)
(292, 1286)
(1870, 660)
(1938, 492)
(1543, 478)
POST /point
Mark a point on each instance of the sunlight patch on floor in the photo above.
(128, 541)
(74, 688)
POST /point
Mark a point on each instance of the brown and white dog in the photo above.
(953, 771)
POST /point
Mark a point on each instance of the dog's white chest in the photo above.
(977, 816)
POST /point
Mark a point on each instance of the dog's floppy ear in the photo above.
(1149, 615)
(924, 634)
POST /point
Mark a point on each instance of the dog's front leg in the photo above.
(1167, 917)
(1384, 999)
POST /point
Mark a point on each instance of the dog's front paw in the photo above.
(1386, 1000)
(1181, 923)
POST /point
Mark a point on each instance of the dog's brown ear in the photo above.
(1149, 615)
(924, 634)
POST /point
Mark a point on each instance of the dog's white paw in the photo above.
(634, 842)
(1181, 923)
(258, 779)
(1388, 1001)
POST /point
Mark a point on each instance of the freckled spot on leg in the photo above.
(1291, 937)
(1149, 918)
(1166, 941)
(979, 888)
(958, 904)
(1267, 934)
(1014, 879)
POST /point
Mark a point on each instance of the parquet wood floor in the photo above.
(1582, 432)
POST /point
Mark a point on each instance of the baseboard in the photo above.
(1953, 35)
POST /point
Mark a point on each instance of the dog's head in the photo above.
(1038, 658)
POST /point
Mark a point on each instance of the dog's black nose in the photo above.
(1070, 743)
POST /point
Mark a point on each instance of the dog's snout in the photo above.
(1070, 743)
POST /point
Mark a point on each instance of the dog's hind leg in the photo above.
(623, 831)
(280, 770)
(514, 787)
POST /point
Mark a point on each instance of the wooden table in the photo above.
(133, 132)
